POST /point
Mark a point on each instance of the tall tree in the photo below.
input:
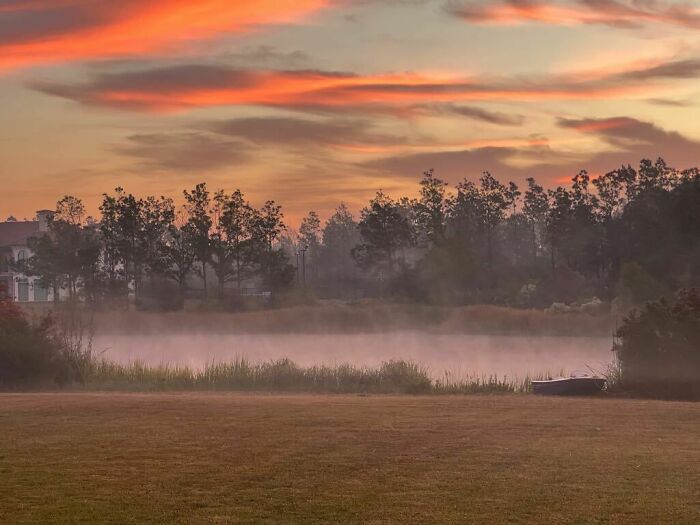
(341, 234)
(573, 227)
(481, 209)
(179, 250)
(432, 207)
(67, 254)
(535, 209)
(198, 226)
(70, 210)
(310, 238)
(123, 231)
(157, 217)
(44, 264)
(385, 233)
(233, 249)
(268, 227)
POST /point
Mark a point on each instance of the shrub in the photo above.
(659, 348)
(32, 354)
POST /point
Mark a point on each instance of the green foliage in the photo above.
(573, 226)
(310, 231)
(478, 210)
(432, 207)
(67, 255)
(198, 226)
(385, 232)
(659, 348)
(233, 242)
(336, 270)
(447, 271)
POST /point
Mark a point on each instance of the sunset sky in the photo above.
(313, 102)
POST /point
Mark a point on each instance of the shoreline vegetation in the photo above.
(285, 376)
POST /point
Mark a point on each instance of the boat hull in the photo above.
(569, 386)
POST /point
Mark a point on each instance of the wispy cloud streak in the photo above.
(35, 32)
(628, 14)
(179, 88)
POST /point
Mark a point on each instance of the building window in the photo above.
(41, 293)
(23, 291)
(21, 256)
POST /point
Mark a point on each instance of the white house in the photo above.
(14, 236)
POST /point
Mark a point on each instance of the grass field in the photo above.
(237, 458)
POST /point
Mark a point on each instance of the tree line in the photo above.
(632, 233)
(141, 244)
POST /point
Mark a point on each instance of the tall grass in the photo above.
(391, 377)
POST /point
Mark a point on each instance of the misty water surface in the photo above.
(461, 354)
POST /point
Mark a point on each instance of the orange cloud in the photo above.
(49, 31)
(185, 87)
(596, 126)
(516, 13)
(617, 13)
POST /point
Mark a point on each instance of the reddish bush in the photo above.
(31, 354)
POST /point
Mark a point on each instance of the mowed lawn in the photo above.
(230, 458)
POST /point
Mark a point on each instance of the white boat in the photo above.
(577, 384)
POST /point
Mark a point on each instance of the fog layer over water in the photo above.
(460, 354)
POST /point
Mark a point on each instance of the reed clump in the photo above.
(283, 375)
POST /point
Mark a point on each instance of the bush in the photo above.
(282, 375)
(659, 348)
(31, 354)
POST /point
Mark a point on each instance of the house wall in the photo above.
(20, 287)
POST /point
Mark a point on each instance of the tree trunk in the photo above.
(551, 257)
(204, 278)
(489, 244)
(238, 274)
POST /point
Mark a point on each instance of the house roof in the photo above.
(17, 233)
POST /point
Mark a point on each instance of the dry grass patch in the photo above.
(203, 458)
